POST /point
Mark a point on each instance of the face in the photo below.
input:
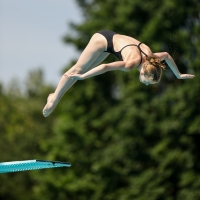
(145, 80)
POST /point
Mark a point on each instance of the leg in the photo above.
(94, 64)
(90, 56)
(92, 53)
(101, 58)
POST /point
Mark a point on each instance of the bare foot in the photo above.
(50, 106)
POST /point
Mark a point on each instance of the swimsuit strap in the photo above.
(127, 46)
(138, 46)
(118, 53)
(141, 49)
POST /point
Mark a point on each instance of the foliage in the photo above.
(124, 140)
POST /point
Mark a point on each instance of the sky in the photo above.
(31, 33)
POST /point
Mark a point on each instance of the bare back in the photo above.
(130, 52)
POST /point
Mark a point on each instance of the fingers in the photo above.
(72, 75)
(187, 76)
(190, 76)
(75, 76)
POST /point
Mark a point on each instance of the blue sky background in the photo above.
(31, 34)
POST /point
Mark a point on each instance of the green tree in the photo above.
(23, 131)
(124, 140)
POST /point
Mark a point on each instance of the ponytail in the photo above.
(153, 68)
(155, 61)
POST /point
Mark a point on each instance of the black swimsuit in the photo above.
(109, 37)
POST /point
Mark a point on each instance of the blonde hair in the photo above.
(153, 68)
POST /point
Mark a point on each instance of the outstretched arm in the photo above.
(68, 80)
(120, 65)
(169, 60)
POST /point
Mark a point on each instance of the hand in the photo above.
(186, 76)
(76, 76)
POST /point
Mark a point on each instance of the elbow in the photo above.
(105, 68)
(128, 68)
(166, 56)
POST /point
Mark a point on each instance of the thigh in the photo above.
(100, 58)
(90, 54)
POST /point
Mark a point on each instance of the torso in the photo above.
(130, 52)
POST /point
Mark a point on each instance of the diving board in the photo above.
(18, 166)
